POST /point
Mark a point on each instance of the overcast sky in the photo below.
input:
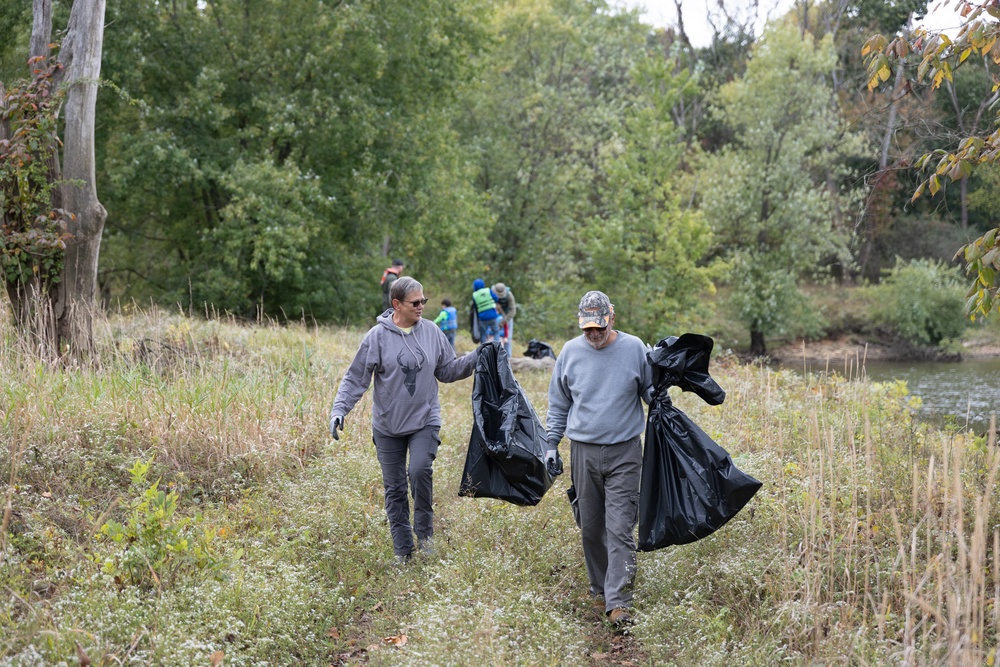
(663, 13)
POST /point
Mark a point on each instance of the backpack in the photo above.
(385, 274)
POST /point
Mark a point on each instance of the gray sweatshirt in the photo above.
(406, 368)
(596, 396)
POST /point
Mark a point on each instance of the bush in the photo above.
(154, 542)
(921, 301)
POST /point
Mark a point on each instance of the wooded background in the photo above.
(270, 158)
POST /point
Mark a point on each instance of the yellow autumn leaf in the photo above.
(216, 658)
(989, 45)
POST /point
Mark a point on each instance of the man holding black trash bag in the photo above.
(598, 385)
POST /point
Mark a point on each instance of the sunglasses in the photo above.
(418, 302)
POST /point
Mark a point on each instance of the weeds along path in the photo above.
(275, 549)
(874, 537)
(505, 585)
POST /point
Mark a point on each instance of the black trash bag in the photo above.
(689, 486)
(506, 456)
(539, 350)
(574, 504)
(474, 323)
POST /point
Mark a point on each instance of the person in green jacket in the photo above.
(447, 319)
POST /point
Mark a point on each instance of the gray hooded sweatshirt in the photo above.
(407, 368)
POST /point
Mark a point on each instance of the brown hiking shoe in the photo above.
(620, 617)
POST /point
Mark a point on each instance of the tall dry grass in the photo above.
(874, 537)
(873, 541)
(218, 403)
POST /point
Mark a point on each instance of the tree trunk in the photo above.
(75, 300)
(963, 191)
(41, 28)
(890, 130)
(757, 346)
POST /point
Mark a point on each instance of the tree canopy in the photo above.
(268, 159)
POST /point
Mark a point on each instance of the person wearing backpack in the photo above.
(389, 276)
(507, 308)
(447, 319)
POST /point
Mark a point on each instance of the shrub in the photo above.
(153, 541)
(921, 301)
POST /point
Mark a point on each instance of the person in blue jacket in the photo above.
(485, 301)
(447, 319)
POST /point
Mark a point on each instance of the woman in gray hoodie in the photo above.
(407, 356)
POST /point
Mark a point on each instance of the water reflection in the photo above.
(966, 391)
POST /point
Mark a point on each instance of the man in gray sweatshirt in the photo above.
(598, 386)
(407, 356)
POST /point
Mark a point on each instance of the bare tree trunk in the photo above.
(680, 25)
(890, 130)
(81, 57)
(41, 28)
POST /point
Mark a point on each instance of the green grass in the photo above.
(873, 540)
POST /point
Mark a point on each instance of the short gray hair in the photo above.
(403, 286)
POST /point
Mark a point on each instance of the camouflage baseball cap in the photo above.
(595, 310)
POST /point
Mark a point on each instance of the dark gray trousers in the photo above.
(422, 446)
(606, 478)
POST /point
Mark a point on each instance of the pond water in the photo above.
(964, 392)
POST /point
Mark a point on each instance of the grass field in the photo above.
(179, 502)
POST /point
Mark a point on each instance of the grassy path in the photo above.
(506, 585)
(875, 539)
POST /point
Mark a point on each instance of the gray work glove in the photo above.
(336, 424)
(553, 462)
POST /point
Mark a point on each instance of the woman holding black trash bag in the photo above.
(407, 356)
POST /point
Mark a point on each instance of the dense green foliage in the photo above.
(964, 68)
(777, 195)
(285, 145)
(32, 227)
(268, 159)
(921, 300)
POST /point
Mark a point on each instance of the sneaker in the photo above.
(403, 559)
(426, 546)
(620, 617)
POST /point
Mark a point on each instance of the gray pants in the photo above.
(606, 478)
(423, 447)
